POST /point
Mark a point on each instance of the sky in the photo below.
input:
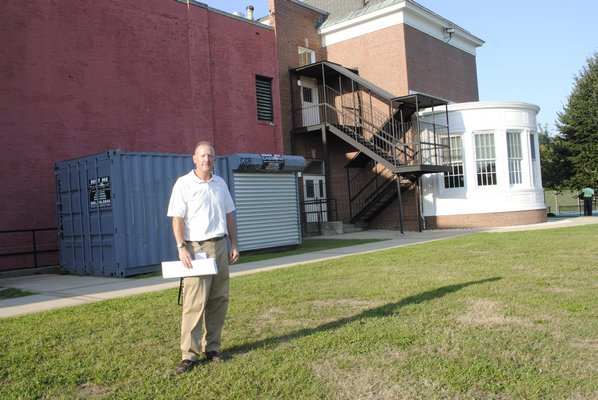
(533, 49)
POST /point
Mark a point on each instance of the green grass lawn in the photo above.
(508, 315)
(308, 246)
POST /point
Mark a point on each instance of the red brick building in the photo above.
(342, 83)
(83, 77)
(359, 75)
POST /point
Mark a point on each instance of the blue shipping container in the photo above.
(112, 211)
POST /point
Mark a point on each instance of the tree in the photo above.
(578, 126)
(556, 167)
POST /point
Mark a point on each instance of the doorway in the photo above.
(310, 102)
(314, 198)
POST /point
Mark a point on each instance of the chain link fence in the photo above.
(565, 202)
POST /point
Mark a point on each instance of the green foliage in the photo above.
(578, 126)
(11, 293)
(486, 316)
(554, 156)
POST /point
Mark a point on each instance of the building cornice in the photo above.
(493, 104)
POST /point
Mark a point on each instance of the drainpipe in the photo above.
(250, 12)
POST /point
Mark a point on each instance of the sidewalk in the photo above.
(58, 291)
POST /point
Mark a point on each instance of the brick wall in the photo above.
(439, 69)
(401, 58)
(487, 220)
(83, 77)
(379, 57)
(295, 26)
(390, 217)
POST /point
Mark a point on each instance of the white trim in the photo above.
(305, 50)
(498, 104)
(404, 12)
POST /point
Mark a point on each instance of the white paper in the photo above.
(176, 269)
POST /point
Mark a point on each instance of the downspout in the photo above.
(293, 115)
(420, 205)
(418, 188)
(400, 204)
(324, 140)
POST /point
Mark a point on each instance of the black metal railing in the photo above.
(399, 143)
(367, 183)
(26, 242)
(316, 212)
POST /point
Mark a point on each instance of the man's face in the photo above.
(204, 159)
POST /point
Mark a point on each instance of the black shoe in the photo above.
(214, 356)
(184, 366)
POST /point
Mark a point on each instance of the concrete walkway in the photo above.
(57, 291)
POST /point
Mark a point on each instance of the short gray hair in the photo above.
(205, 143)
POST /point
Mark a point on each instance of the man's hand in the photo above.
(234, 255)
(185, 257)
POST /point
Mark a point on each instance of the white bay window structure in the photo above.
(495, 167)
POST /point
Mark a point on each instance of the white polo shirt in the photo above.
(202, 204)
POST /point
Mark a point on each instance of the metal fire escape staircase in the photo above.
(394, 147)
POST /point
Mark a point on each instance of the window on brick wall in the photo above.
(263, 89)
(485, 158)
(305, 56)
(515, 157)
(455, 178)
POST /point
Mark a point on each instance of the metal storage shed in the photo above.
(112, 207)
(112, 211)
(265, 190)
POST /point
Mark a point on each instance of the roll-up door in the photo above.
(267, 210)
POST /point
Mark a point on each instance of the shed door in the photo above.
(267, 210)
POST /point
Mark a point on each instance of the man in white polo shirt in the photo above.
(202, 212)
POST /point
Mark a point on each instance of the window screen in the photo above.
(263, 89)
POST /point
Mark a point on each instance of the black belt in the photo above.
(212, 240)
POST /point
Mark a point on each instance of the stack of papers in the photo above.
(201, 266)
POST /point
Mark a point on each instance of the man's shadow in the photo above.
(382, 311)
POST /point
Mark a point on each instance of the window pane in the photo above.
(307, 94)
(454, 178)
(514, 152)
(310, 192)
(485, 159)
(305, 56)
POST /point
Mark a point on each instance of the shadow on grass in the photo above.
(382, 311)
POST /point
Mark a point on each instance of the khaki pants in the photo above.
(205, 302)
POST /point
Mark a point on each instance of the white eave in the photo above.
(477, 105)
(486, 105)
(402, 12)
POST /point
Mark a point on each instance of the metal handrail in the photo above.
(401, 143)
(324, 206)
(34, 244)
(366, 185)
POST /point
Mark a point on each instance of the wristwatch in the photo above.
(180, 245)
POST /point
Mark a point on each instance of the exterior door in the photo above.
(310, 103)
(314, 196)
